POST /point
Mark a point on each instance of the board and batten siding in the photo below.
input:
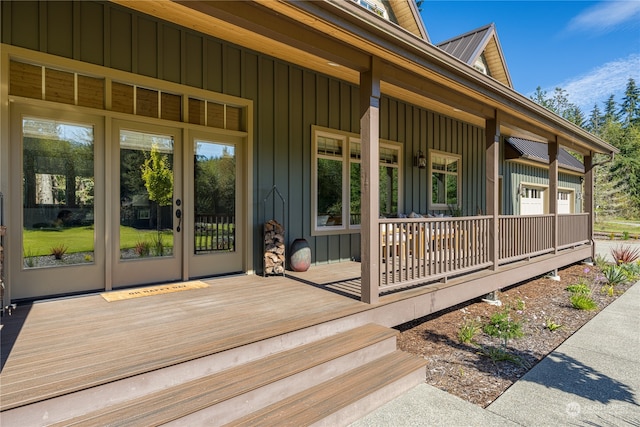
(514, 173)
(288, 101)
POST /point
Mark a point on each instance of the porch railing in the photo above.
(524, 236)
(214, 233)
(415, 250)
(573, 229)
(419, 250)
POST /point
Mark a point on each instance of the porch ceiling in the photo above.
(339, 39)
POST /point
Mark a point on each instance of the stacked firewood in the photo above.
(274, 256)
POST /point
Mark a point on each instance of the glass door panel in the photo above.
(216, 232)
(146, 195)
(58, 193)
(148, 233)
(56, 203)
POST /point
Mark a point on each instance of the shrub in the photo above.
(631, 270)
(59, 251)
(468, 331)
(583, 302)
(625, 254)
(502, 326)
(614, 275)
(625, 235)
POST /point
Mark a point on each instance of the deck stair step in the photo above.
(343, 399)
(225, 396)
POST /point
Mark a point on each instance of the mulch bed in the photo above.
(460, 369)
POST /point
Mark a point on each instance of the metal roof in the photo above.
(537, 151)
(465, 47)
(470, 46)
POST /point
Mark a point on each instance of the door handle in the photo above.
(179, 216)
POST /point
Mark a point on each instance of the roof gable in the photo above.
(538, 152)
(480, 44)
(404, 13)
(408, 17)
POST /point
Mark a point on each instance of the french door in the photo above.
(146, 213)
(98, 207)
(56, 203)
(215, 240)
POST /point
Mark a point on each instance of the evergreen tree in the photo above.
(610, 110)
(574, 114)
(540, 97)
(617, 188)
(595, 120)
(630, 108)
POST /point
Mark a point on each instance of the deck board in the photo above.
(112, 340)
(59, 346)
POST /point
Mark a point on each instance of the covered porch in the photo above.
(108, 352)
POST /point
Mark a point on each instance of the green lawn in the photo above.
(80, 239)
(632, 227)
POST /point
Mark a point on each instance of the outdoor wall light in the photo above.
(522, 192)
(420, 161)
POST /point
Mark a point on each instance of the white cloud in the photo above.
(607, 15)
(597, 85)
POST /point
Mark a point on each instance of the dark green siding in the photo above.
(288, 100)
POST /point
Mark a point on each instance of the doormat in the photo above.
(152, 290)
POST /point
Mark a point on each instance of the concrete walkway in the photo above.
(593, 378)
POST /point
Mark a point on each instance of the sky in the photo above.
(588, 48)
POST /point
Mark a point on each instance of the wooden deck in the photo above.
(54, 348)
(49, 348)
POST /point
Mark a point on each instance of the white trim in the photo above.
(347, 138)
(458, 158)
(8, 53)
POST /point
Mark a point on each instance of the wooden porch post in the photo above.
(369, 181)
(492, 137)
(587, 197)
(553, 190)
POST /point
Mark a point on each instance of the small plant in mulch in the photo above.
(579, 288)
(625, 254)
(600, 261)
(468, 331)
(614, 275)
(500, 354)
(580, 296)
(583, 302)
(59, 251)
(632, 271)
(551, 325)
(505, 325)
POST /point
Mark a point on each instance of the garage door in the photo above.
(564, 202)
(532, 202)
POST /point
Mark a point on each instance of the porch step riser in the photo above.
(373, 401)
(231, 393)
(101, 397)
(346, 398)
(255, 400)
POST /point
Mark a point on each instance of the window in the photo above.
(445, 180)
(337, 180)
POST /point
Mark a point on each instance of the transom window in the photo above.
(336, 180)
(445, 179)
